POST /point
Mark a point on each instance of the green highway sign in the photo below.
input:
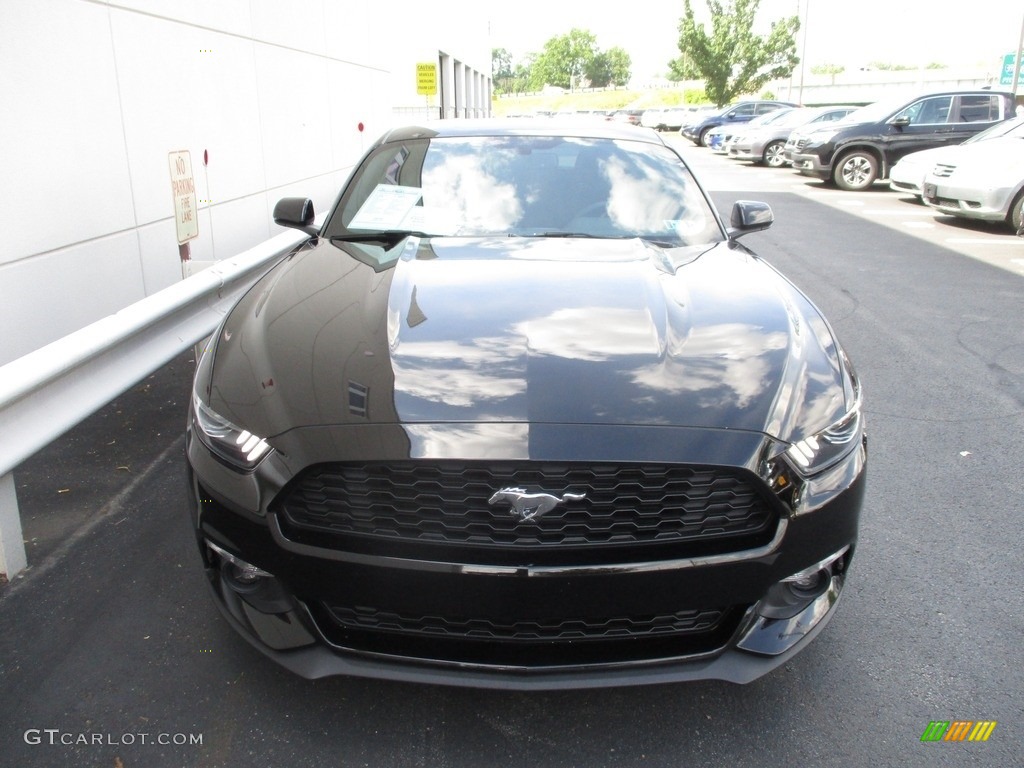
(1006, 78)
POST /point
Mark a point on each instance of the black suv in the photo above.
(856, 151)
(743, 112)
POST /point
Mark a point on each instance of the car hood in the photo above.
(538, 330)
(1000, 159)
(924, 159)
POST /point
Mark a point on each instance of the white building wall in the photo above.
(94, 95)
(454, 35)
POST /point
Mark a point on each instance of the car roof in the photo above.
(521, 127)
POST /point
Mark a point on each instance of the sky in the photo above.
(852, 33)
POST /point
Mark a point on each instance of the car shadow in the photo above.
(880, 186)
(998, 228)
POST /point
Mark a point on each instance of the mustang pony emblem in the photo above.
(527, 506)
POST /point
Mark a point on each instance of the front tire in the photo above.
(702, 139)
(775, 154)
(855, 171)
(1016, 217)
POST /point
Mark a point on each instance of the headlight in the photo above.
(235, 445)
(823, 449)
(821, 137)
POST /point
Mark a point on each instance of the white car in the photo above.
(908, 174)
(984, 180)
(652, 118)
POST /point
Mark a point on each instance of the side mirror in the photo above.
(749, 216)
(296, 212)
(901, 122)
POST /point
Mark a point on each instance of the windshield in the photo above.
(770, 118)
(529, 186)
(874, 113)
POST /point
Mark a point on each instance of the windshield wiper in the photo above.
(385, 235)
(664, 242)
(557, 234)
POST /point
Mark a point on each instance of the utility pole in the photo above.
(1017, 60)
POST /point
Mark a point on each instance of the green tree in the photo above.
(883, 66)
(566, 59)
(732, 60)
(620, 63)
(828, 69)
(611, 67)
(501, 70)
(501, 63)
(527, 76)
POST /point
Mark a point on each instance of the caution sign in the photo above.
(186, 218)
(426, 79)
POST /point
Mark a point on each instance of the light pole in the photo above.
(1017, 61)
(803, 52)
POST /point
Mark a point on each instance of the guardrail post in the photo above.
(12, 546)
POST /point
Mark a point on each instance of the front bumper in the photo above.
(901, 184)
(312, 658)
(320, 611)
(745, 152)
(986, 204)
(811, 165)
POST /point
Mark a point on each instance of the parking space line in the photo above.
(882, 212)
(979, 241)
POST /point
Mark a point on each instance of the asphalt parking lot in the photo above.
(112, 653)
(991, 243)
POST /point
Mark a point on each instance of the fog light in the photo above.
(240, 575)
(795, 606)
(808, 583)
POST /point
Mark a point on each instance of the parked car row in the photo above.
(961, 152)
(699, 127)
(720, 139)
(667, 119)
(766, 143)
(670, 118)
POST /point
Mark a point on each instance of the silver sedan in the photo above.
(982, 181)
(766, 143)
(908, 174)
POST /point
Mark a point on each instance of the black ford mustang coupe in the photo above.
(523, 413)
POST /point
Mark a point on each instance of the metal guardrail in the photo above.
(49, 391)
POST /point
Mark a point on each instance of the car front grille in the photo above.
(536, 630)
(532, 643)
(943, 170)
(630, 511)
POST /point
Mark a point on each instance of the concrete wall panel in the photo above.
(65, 168)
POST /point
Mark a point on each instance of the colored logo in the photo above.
(958, 730)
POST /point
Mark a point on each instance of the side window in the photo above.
(744, 110)
(928, 111)
(839, 114)
(979, 108)
(764, 109)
